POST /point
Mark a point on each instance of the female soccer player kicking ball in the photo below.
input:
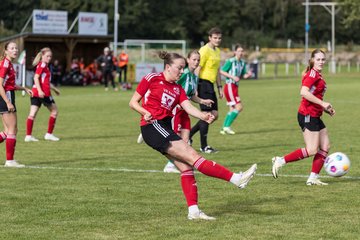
(160, 94)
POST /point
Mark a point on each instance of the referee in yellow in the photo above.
(209, 73)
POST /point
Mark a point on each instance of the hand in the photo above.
(57, 91)
(236, 79)
(221, 94)
(41, 94)
(207, 102)
(28, 91)
(10, 107)
(147, 117)
(330, 110)
(208, 117)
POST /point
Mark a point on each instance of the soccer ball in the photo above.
(337, 164)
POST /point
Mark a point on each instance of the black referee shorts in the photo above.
(159, 134)
(206, 91)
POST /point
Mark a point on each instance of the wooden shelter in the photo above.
(64, 47)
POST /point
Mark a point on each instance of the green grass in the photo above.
(79, 188)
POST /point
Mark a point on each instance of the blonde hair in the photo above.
(39, 55)
(5, 48)
(311, 60)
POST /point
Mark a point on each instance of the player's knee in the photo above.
(312, 151)
(239, 107)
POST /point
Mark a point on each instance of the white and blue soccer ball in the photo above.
(337, 164)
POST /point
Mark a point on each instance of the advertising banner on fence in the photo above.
(144, 68)
(50, 22)
(93, 23)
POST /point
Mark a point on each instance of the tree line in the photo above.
(268, 23)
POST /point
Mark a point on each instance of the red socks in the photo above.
(2, 136)
(296, 155)
(189, 187)
(212, 169)
(10, 146)
(29, 125)
(51, 125)
(318, 161)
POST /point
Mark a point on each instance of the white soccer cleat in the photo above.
(200, 215)
(13, 163)
(277, 164)
(227, 130)
(247, 176)
(30, 138)
(315, 181)
(170, 168)
(51, 137)
(140, 139)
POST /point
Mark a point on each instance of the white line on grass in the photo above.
(159, 171)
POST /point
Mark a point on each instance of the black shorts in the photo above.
(11, 96)
(46, 101)
(159, 134)
(206, 91)
(313, 124)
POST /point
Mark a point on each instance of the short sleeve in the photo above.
(40, 68)
(203, 56)
(308, 81)
(227, 66)
(143, 86)
(4, 67)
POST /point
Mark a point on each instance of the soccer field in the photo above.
(98, 183)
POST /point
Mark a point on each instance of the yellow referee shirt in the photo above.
(209, 62)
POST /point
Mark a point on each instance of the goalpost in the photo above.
(147, 45)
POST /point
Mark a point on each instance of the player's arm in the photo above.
(135, 105)
(55, 89)
(38, 86)
(305, 93)
(228, 75)
(206, 102)
(193, 111)
(28, 91)
(9, 105)
(218, 84)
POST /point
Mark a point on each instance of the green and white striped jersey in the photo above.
(189, 82)
(235, 68)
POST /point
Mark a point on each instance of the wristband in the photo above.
(219, 86)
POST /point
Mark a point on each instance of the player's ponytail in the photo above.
(311, 60)
(39, 55)
(169, 57)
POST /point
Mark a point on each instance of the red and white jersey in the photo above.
(159, 96)
(317, 86)
(44, 78)
(7, 72)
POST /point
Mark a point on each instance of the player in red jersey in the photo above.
(7, 102)
(42, 95)
(160, 94)
(309, 117)
(181, 120)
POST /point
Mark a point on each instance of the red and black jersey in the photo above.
(317, 86)
(7, 72)
(45, 78)
(159, 96)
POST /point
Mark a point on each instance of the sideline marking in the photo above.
(159, 171)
